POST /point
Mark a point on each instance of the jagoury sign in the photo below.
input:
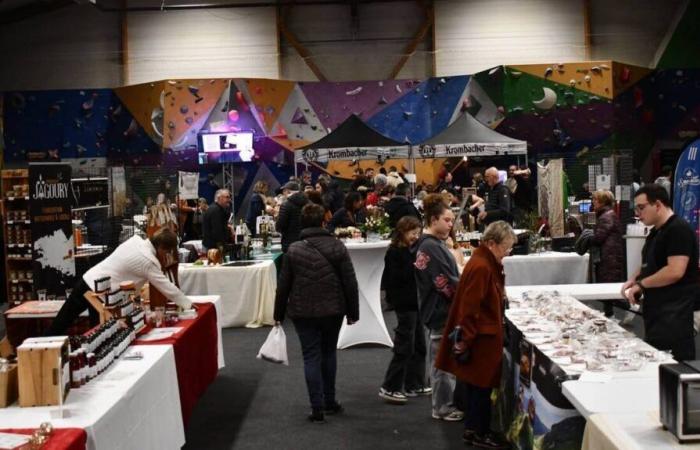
(50, 189)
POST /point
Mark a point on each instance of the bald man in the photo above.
(498, 204)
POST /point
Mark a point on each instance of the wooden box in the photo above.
(8, 386)
(43, 371)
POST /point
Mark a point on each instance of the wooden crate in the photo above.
(44, 371)
(8, 386)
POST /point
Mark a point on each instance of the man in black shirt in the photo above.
(498, 204)
(668, 278)
(215, 229)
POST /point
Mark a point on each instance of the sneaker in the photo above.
(316, 416)
(454, 416)
(392, 397)
(334, 408)
(488, 440)
(468, 436)
(419, 392)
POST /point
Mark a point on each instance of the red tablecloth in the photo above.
(61, 438)
(196, 356)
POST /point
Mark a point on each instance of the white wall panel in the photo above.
(631, 30)
(365, 49)
(214, 43)
(74, 47)
(473, 35)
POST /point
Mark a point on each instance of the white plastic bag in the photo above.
(274, 349)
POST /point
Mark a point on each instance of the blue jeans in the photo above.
(319, 339)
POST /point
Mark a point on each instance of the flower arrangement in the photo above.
(347, 233)
(377, 221)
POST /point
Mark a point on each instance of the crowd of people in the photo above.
(450, 315)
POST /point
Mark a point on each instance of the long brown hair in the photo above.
(403, 226)
(434, 205)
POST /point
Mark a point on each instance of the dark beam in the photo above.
(417, 38)
(587, 29)
(301, 50)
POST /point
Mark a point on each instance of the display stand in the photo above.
(96, 303)
(17, 241)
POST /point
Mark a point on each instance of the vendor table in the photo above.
(247, 293)
(636, 430)
(33, 318)
(60, 439)
(543, 398)
(134, 404)
(368, 262)
(196, 348)
(581, 292)
(546, 268)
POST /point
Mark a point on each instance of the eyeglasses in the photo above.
(640, 207)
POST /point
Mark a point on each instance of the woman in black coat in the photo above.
(405, 376)
(256, 207)
(316, 288)
(350, 215)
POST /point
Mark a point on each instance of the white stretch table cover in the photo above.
(133, 405)
(634, 431)
(247, 293)
(546, 268)
(216, 300)
(620, 395)
(368, 262)
(581, 292)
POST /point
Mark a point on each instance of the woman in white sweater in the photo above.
(138, 260)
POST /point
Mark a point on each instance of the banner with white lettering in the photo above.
(323, 155)
(52, 231)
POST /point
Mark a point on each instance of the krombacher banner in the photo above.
(52, 231)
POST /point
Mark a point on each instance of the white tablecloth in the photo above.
(247, 293)
(368, 262)
(633, 431)
(620, 395)
(216, 300)
(546, 268)
(581, 292)
(133, 405)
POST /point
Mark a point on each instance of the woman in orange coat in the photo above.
(475, 324)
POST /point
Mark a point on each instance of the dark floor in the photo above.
(255, 404)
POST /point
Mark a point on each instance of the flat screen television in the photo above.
(227, 146)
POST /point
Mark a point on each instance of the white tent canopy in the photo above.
(466, 136)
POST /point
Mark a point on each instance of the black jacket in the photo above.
(289, 219)
(398, 207)
(334, 197)
(343, 219)
(399, 280)
(498, 204)
(255, 208)
(317, 279)
(215, 229)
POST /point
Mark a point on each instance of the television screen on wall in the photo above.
(227, 146)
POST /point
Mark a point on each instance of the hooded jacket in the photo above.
(317, 279)
(437, 277)
(289, 219)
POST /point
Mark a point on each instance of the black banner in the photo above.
(89, 192)
(52, 231)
